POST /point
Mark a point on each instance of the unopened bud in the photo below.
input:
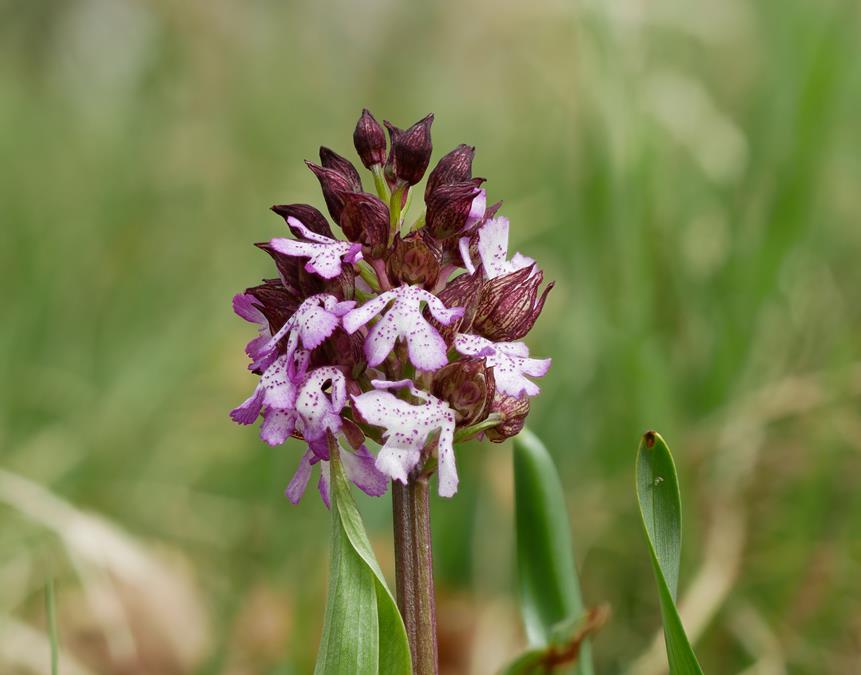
(510, 305)
(464, 291)
(468, 387)
(411, 151)
(414, 260)
(334, 184)
(370, 140)
(332, 160)
(305, 214)
(513, 412)
(450, 207)
(365, 219)
(275, 302)
(455, 167)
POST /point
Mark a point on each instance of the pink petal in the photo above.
(463, 246)
(360, 469)
(249, 410)
(299, 482)
(245, 307)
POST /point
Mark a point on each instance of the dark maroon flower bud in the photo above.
(307, 215)
(464, 291)
(289, 268)
(389, 168)
(341, 349)
(468, 387)
(513, 411)
(275, 302)
(449, 207)
(411, 150)
(370, 140)
(334, 184)
(332, 160)
(510, 305)
(451, 254)
(365, 219)
(455, 167)
(414, 260)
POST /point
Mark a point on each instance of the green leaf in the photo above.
(547, 577)
(363, 632)
(53, 636)
(661, 511)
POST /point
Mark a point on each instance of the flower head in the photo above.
(382, 339)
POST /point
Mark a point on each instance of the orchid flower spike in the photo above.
(378, 332)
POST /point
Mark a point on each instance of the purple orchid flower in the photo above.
(406, 430)
(325, 255)
(425, 346)
(510, 362)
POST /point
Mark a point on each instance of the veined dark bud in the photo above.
(468, 387)
(332, 160)
(513, 411)
(464, 291)
(275, 302)
(365, 219)
(411, 150)
(389, 168)
(510, 305)
(449, 207)
(334, 184)
(370, 140)
(414, 260)
(455, 167)
(307, 215)
(289, 268)
(340, 349)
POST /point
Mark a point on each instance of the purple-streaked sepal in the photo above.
(369, 140)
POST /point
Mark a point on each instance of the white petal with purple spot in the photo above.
(510, 362)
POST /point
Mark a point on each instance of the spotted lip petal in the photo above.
(510, 362)
(493, 249)
(324, 255)
(406, 430)
(404, 320)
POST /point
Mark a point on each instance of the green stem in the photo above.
(395, 205)
(414, 570)
(380, 183)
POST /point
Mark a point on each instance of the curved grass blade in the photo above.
(547, 577)
(53, 635)
(661, 511)
(363, 632)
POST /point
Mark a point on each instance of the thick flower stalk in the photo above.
(402, 332)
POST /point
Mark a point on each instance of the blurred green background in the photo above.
(689, 175)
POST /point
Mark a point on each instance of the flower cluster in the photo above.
(405, 336)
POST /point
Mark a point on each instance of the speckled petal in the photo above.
(361, 315)
(510, 362)
(277, 426)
